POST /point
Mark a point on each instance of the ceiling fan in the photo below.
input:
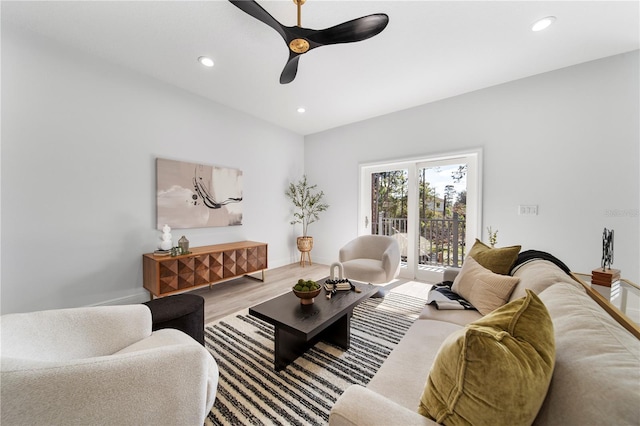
(300, 40)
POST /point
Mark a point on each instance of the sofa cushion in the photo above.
(481, 287)
(597, 373)
(411, 359)
(361, 406)
(537, 275)
(496, 370)
(461, 317)
(498, 260)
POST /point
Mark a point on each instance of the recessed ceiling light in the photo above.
(543, 23)
(206, 61)
(301, 110)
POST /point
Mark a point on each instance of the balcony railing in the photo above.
(442, 241)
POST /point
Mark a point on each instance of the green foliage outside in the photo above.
(389, 196)
(390, 199)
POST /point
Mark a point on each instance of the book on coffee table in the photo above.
(342, 284)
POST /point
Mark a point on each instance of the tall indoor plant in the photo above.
(308, 203)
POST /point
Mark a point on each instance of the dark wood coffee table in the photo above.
(298, 327)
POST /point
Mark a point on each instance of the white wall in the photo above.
(79, 142)
(566, 140)
(80, 136)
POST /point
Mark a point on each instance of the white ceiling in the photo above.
(430, 50)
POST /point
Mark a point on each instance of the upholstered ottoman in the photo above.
(184, 312)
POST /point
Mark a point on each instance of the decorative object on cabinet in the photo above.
(309, 205)
(203, 266)
(607, 249)
(183, 243)
(190, 195)
(165, 239)
(605, 275)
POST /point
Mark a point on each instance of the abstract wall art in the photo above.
(193, 195)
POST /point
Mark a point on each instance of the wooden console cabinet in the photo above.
(164, 275)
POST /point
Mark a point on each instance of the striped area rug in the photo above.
(251, 392)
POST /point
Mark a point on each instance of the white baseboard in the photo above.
(127, 300)
(323, 261)
(276, 263)
(143, 296)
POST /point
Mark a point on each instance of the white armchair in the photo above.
(102, 365)
(371, 258)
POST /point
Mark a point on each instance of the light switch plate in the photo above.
(528, 210)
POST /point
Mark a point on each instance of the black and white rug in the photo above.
(251, 392)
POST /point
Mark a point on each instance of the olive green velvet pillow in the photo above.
(495, 371)
(498, 260)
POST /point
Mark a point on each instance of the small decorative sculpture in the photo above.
(334, 279)
(338, 282)
(607, 249)
(165, 243)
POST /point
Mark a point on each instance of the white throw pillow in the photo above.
(481, 287)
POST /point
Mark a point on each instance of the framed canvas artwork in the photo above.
(190, 195)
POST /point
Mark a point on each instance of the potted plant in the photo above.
(308, 203)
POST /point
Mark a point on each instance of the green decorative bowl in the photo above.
(306, 297)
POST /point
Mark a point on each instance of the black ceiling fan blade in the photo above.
(300, 40)
(351, 31)
(290, 69)
(252, 8)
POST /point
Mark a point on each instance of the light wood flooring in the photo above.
(232, 296)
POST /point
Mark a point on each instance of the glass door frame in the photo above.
(473, 159)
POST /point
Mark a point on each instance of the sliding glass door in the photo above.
(384, 198)
(431, 206)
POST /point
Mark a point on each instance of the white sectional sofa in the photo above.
(596, 379)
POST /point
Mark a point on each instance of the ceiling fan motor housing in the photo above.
(299, 45)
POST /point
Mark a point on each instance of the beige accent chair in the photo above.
(102, 365)
(371, 258)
